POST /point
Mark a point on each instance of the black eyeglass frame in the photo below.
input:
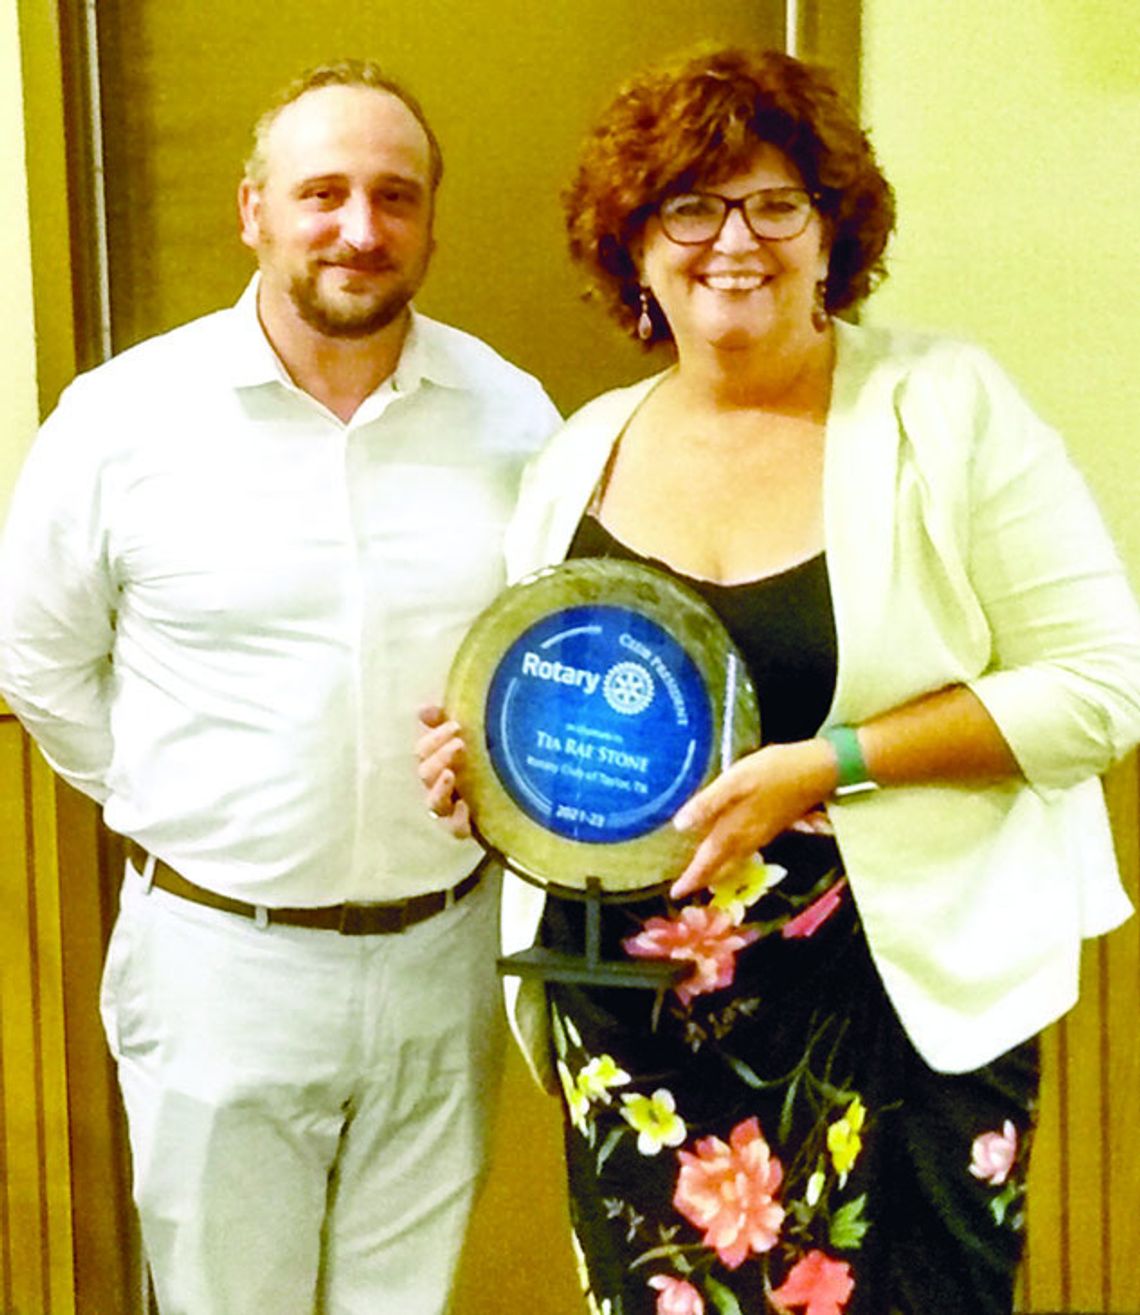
(730, 204)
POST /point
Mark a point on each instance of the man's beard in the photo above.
(349, 320)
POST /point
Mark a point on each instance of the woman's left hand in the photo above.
(440, 750)
(749, 804)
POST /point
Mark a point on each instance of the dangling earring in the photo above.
(644, 323)
(819, 315)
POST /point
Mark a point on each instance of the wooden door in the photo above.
(509, 87)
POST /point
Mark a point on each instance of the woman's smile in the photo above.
(737, 290)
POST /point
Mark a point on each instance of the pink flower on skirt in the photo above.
(676, 1297)
(994, 1154)
(705, 936)
(819, 1284)
(816, 914)
(729, 1191)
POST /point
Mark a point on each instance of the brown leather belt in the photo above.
(347, 919)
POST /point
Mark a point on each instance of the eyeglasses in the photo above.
(773, 214)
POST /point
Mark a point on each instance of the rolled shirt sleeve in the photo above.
(1064, 680)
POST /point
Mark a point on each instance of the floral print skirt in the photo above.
(764, 1137)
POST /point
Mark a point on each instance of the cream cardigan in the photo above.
(962, 547)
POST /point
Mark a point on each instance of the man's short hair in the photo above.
(342, 73)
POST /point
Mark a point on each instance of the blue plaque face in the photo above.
(598, 724)
(595, 697)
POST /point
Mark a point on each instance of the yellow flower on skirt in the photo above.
(655, 1120)
(598, 1076)
(592, 1085)
(577, 1102)
(843, 1139)
(736, 894)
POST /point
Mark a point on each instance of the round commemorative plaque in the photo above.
(596, 697)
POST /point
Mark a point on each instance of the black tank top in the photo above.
(783, 625)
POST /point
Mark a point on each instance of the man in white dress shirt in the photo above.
(240, 557)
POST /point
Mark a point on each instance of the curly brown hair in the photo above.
(698, 120)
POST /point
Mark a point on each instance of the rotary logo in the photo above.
(628, 688)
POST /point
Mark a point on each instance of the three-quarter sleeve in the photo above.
(1063, 683)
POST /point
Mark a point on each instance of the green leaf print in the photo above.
(848, 1225)
(722, 1298)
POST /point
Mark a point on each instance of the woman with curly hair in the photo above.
(832, 1112)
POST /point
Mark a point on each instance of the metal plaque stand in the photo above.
(590, 967)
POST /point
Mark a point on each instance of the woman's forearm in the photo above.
(947, 736)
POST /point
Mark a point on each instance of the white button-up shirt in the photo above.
(220, 606)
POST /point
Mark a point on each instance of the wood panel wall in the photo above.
(66, 1232)
(67, 1241)
(1084, 1241)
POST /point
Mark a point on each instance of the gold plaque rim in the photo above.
(625, 866)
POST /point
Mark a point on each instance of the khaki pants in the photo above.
(308, 1112)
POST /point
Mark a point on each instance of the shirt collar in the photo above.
(251, 361)
(250, 358)
(425, 358)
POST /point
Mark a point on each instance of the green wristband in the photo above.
(853, 773)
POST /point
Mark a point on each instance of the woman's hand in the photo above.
(944, 736)
(440, 750)
(749, 804)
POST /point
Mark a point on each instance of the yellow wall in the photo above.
(1009, 131)
(17, 335)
